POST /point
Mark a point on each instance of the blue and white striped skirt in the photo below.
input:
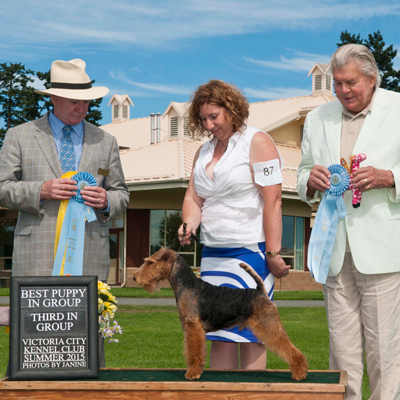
(220, 267)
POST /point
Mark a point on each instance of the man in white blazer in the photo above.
(362, 291)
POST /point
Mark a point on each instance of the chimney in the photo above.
(152, 129)
(158, 127)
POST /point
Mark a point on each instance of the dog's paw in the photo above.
(299, 368)
(193, 373)
(299, 375)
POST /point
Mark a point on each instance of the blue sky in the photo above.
(158, 51)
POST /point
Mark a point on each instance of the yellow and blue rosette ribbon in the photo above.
(69, 256)
(331, 209)
(60, 217)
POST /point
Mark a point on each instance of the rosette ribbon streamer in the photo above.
(331, 209)
(60, 217)
(69, 255)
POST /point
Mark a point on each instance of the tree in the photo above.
(45, 100)
(168, 230)
(383, 56)
(19, 103)
(94, 114)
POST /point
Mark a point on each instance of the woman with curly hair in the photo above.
(234, 193)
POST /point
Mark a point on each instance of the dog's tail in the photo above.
(255, 276)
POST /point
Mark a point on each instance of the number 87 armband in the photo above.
(267, 173)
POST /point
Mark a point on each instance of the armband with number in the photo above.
(267, 173)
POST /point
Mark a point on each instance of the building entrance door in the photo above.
(116, 256)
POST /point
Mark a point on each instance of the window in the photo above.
(124, 111)
(301, 132)
(328, 82)
(174, 127)
(6, 250)
(164, 225)
(293, 241)
(318, 82)
(185, 126)
(116, 110)
(116, 242)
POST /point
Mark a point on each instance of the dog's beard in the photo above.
(152, 287)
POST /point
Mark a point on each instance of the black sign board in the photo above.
(54, 328)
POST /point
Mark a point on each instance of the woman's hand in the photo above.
(277, 266)
(185, 238)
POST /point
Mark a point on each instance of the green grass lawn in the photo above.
(153, 338)
(139, 292)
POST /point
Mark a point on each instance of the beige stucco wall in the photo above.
(288, 134)
(157, 199)
(296, 208)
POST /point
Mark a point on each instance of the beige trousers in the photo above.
(364, 314)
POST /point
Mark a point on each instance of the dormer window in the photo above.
(177, 120)
(120, 107)
(174, 127)
(328, 82)
(185, 127)
(318, 82)
(322, 79)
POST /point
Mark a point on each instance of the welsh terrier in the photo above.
(206, 308)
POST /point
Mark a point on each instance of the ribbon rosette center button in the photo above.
(336, 179)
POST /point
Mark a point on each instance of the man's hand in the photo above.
(95, 197)
(318, 180)
(277, 266)
(367, 178)
(58, 189)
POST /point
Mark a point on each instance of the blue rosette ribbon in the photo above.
(84, 179)
(331, 209)
(72, 239)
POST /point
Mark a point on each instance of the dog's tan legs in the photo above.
(195, 348)
(267, 326)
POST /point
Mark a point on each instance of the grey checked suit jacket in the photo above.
(28, 158)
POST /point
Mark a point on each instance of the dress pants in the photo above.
(364, 314)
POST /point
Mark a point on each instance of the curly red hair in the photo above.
(221, 94)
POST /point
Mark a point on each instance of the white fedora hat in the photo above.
(68, 79)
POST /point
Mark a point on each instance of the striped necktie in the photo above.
(67, 154)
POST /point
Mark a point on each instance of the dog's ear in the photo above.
(164, 254)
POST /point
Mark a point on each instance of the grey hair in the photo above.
(359, 53)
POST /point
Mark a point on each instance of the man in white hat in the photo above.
(33, 160)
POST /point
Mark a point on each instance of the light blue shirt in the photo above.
(57, 126)
(77, 132)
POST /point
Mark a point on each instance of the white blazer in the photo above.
(373, 229)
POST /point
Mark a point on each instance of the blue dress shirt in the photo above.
(57, 126)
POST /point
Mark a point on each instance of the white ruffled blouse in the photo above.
(232, 213)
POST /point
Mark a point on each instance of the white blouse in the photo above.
(232, 212)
